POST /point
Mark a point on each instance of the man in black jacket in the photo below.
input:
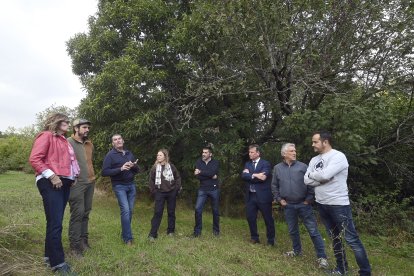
(206, 171)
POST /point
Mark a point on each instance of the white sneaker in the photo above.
(292, 254)
(322, 262)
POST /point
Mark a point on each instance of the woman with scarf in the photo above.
(164, 183)
(54, 162)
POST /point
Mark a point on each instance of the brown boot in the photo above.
(76, 251)
(85, 244)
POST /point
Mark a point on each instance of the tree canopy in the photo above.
(179, 74)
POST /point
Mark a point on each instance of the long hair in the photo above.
(53, 120)
(166, 154)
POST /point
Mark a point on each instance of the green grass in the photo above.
(22, 226)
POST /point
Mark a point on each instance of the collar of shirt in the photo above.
(79, 140)
(291, 164)
(206, 162)
(123, 153)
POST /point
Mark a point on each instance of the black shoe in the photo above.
(195, 235)
(216, 234)
(271, 243)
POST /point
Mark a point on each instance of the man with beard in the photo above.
(207, 170)
(328, 173)
(81, 194)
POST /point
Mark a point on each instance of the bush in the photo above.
(14, 153)
(3, 167)
(384, 215)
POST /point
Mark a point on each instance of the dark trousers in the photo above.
(160, 198)
(252, 207)
(54, 203)
(80, 202)
(202, 196)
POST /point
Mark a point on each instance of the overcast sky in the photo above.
(35, 69)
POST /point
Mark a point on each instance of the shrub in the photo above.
(14, 153)
(3, 167)
(384, 215)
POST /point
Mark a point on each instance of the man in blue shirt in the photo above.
(120, 165)
(206, 171)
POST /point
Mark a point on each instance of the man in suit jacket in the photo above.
(257, 175)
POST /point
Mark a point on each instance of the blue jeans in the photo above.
(126, 199)
(305, 212)
(339, 223)
(215, 203)
(54, 203)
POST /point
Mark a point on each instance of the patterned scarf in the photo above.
(73, 162)
(167, 173)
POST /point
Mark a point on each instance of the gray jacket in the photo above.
(288, 183)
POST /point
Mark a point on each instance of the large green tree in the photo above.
(183, 73)
(130, 73)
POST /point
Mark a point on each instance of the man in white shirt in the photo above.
(328, 173)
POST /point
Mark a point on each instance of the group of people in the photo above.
(64, 172)
(295, 186)
(164, 185)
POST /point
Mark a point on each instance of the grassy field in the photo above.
(22, 227)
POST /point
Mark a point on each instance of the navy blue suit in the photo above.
(261, 200)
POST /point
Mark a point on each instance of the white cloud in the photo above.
(35, 70)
